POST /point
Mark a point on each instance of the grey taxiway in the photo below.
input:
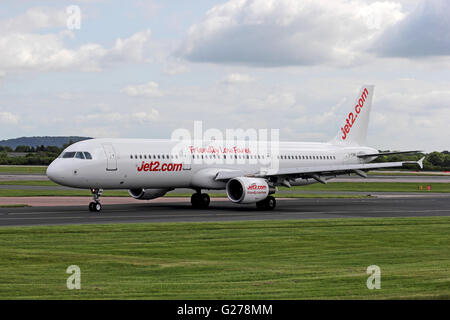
(223, 210)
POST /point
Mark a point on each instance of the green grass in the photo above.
(309, 259)
(330, 187)
(59, 193)
(374, 187)
(23, 169)
(44, 183)
(406, 173)
(13, 205)
(123, 193)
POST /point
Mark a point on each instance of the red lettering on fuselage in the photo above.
(157, 166)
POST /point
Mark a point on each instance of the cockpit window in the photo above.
(88, 155)
(76, 154)
(79, 155)
(68, 155)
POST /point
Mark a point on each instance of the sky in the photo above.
(142, 69)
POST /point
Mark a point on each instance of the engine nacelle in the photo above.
(247, 190)
(147, 194)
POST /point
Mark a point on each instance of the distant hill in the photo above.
(39, 141)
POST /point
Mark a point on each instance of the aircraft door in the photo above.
(187, 160)
(111, 159)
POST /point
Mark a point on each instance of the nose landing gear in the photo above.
(96, 206)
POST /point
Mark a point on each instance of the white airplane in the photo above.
(151, 168)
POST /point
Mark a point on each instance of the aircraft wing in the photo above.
(387, 153)
(315, 172)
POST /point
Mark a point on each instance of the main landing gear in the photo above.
(200, 200)
(268, 203)
(96, 206)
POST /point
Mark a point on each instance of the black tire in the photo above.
(97, 207)
(200, 200)
(261, 204)
(195, 200)
(91, 206)
(268, 203)
(271, 203)
(205, 200)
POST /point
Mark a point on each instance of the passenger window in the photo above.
(88, 155)
(79, 155)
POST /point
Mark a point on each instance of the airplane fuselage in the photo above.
(147, 163)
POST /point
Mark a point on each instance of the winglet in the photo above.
(419, 163)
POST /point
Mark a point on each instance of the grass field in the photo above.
(321, 189)
(406, 173)
(310, 259)
(122, 193)
(374, 187)
(23, 169)
(13, 205)
(331, 186)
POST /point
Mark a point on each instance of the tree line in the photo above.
(44, 155)
(434, 161)
(38, 155)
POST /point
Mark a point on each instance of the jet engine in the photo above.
(247, 190)
(147, 194)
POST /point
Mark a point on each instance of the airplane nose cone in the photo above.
(55, 172)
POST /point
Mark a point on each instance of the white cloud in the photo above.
(35, 18)
(124, 118)
(288, 32)
(8, 118)
(23, 49)
(46, 52)
(238, 78)
(424, 32)
(150, 89)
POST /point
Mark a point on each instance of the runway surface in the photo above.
(222, 210)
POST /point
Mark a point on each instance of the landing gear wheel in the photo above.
(271, 203)
(96, 206)
(200, 200)
(268, 203)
